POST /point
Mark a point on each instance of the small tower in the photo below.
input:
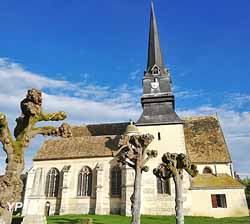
(158, 100)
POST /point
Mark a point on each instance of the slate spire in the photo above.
(154, 50)
(158, 100)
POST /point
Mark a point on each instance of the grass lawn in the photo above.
(115, 219)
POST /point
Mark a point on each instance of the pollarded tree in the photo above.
(173, 166)
(10, 183)
(134, 153)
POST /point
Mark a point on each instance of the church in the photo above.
(80, 175)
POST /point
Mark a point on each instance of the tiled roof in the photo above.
(210, 181)
(78, 147)
(100, 129)
(205, 141)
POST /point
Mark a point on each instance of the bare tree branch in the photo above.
(150, 154)
(5, 135)
(62, 131)
(129, 163)
(58, 116)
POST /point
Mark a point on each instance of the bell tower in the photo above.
(158, 100)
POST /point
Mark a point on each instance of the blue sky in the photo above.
(91, 55)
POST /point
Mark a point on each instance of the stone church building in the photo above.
(80, 175)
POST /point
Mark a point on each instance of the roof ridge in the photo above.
(113, 123)
(77, 137)
(196, 117)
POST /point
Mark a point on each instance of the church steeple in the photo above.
(154, 49)
(158, 100)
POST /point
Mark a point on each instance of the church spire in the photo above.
(158, 100)
(154, 50)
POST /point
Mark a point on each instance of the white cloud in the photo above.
(84, 110)
(239, 100)
(186, 94)
(85, 101)
(14, 78)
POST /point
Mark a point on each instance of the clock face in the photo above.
(154, 85)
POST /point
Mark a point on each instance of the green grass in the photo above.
(116, 219)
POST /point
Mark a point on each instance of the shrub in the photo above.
(246, 182)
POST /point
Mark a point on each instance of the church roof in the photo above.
(78, 147)
(205, 142)
(100, 129)
(210, 181)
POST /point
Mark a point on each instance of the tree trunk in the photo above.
(136, 197)
(178, 199)
(6, 217)
(11, 187)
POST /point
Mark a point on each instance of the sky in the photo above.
(88, 58)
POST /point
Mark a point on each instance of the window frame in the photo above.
(85, 182)
(52, 183)
(115, 190)
(219, 200)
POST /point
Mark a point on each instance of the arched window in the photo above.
(163, 186)
(84, 187)
(207, 170)
(52, 183)
(116, 181)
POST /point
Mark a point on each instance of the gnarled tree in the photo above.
(173, 166)
(134, 153)
(10, 183)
